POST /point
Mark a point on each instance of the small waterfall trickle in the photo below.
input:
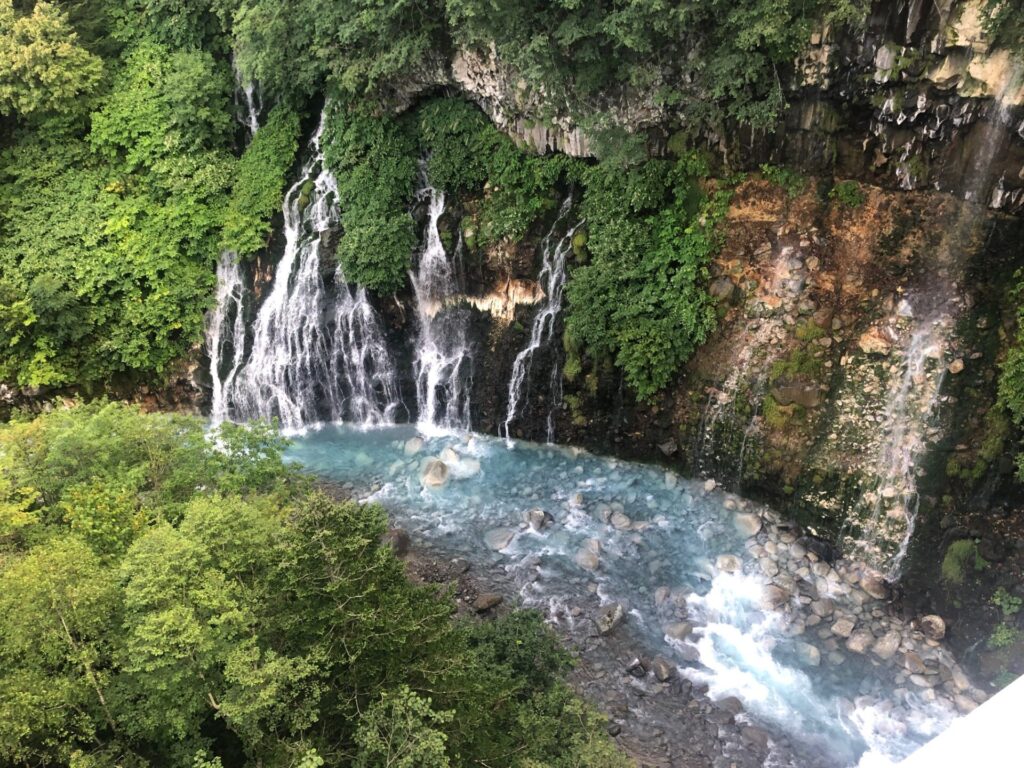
(889, 507)
(314, 355)
(726, 405)
(443, 364)
(226, 349)
(554, 250)
(248, 101)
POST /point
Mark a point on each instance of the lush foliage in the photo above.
(42, 64)
(373, 158)
(641, 298)
(260, 182)
(1004, 22)
(108, 226)
(168, 599)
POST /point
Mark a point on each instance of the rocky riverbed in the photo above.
(710, 630)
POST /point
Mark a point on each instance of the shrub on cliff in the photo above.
(642, 299)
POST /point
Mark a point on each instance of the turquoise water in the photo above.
(623, 532)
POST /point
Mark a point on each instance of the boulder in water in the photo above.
(499, 538)
(413, 446)
(663, 669)
(538, 519)
(678, 630)
(729, 563)
(747, 523)
(773, 597)
(587, 560)
(610, 617)
(435, 473)
(808, 654)
(843, 627)
(874, 584)
(620, 521)
(886, 646)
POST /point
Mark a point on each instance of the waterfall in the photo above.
(228, 312)
(314, 355)
(779, 290)
(888, 509)
(247, 95)
(361, 359)
(552, 274)
(443, 364)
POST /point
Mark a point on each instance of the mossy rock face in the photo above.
(469, 235)
(961, 558)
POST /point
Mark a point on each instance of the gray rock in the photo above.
(723, 289)
(678, 630)
(843, 627)
(399, 541)
(860, 641)
(887, 645)
(499, 538)
(586, 559)
(435, 473)
(486, 600)
(913, 664)
(539, 519)
(413, 446)
(610, 617)
(663, 669)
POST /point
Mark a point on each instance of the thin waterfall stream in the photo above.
(443, 365)
(554, 251)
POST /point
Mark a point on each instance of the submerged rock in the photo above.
(747, 523)
(413, 446)
(808, 654)
(678, 630)
(729, 563)
(499, 538)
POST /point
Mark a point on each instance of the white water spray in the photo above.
(552, 274)
(443, 363)
(251, 101)
(229, 312)
(300, 369)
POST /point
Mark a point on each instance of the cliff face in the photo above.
(906, 103)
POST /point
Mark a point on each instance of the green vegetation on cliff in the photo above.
(641, 298)
(168, 600)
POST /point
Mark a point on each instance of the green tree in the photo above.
(42, 66)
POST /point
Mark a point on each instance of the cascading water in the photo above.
(881, 526)
(726, 405)
(226, 349)
(314, 355)
(361, 360)
(443, 364)
(248, 100)
(554, 250)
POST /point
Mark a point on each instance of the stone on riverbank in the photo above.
(610, 617)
